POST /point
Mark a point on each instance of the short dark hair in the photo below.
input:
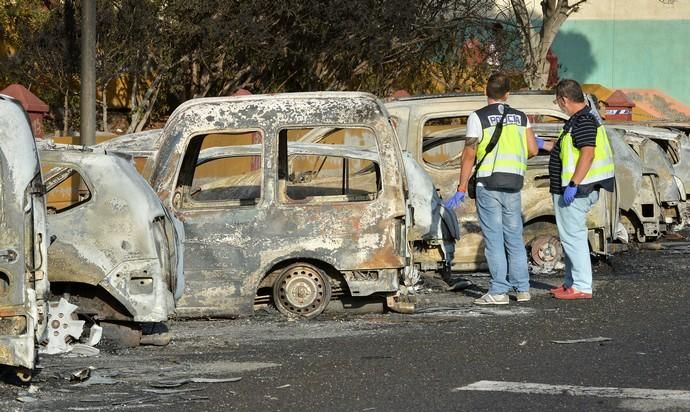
(571, 89)
(497, 86)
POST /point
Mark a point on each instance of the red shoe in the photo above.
(557, 289)
(572, 293)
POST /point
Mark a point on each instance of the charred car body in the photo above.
(24, 283)
(289, 198)
(674, 142)
(117, 253)
(650, 196)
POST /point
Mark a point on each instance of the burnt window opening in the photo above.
(543, 118)
(66, 188)
(443, 141)
(647, 210)
(222, 168)
(670, 148)
(328, 165)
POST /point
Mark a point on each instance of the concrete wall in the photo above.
(628, 44)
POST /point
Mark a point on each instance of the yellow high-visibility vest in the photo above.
(509, 155)
(602, 166)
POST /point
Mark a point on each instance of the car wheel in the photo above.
(302, 290)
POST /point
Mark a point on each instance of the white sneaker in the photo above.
(523, 296)
(489, 299)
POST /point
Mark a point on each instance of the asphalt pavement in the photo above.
(626, 349)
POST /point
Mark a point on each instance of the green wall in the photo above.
(650, 54)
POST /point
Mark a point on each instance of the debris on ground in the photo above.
(80, 375)
(585, 340)
(80, 349)
(459, 284)
(180, 382)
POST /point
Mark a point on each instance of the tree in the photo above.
(298, 45)
(468, 48)
(17, 15)
(168, 51)
(131, 48)
(16, 18)
(46, 61)
(536, 43)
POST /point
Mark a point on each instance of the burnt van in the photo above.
(291, 200)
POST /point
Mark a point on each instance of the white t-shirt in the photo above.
(474, 127)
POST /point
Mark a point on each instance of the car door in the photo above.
(219, 200)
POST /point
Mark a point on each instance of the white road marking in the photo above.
(572, 390)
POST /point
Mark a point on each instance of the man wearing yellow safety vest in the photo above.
(581, 164)
(500, 138)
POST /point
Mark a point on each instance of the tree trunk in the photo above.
(105, 107)
(536, 45)
(195, 75)
(147, 103)
(65, 117)
(134, 106)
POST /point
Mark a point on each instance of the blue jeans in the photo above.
(500, 217)
(572, 229)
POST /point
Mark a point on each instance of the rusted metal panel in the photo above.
(23, 239)
(120, 239)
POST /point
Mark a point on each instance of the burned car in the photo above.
(660, 203)
(674, 142)
(650, 195)
(117, 254)
(432, 129)
(24, 283)
(432, 229)
(140, 146)
(272, 215)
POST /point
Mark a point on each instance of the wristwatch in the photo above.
(571, 184)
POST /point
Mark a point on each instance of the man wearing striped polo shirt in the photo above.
(581, 164)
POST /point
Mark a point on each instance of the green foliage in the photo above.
(20, 14)
(169, 51)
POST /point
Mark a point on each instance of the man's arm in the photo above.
(469, 153)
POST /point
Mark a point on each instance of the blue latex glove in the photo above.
(540, 143)
(569, 194)
(455, 201)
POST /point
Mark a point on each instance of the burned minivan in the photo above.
(24, 283)
(272, 216)
(117, 253)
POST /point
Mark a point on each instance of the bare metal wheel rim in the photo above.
(302, 290)
(546, 250)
